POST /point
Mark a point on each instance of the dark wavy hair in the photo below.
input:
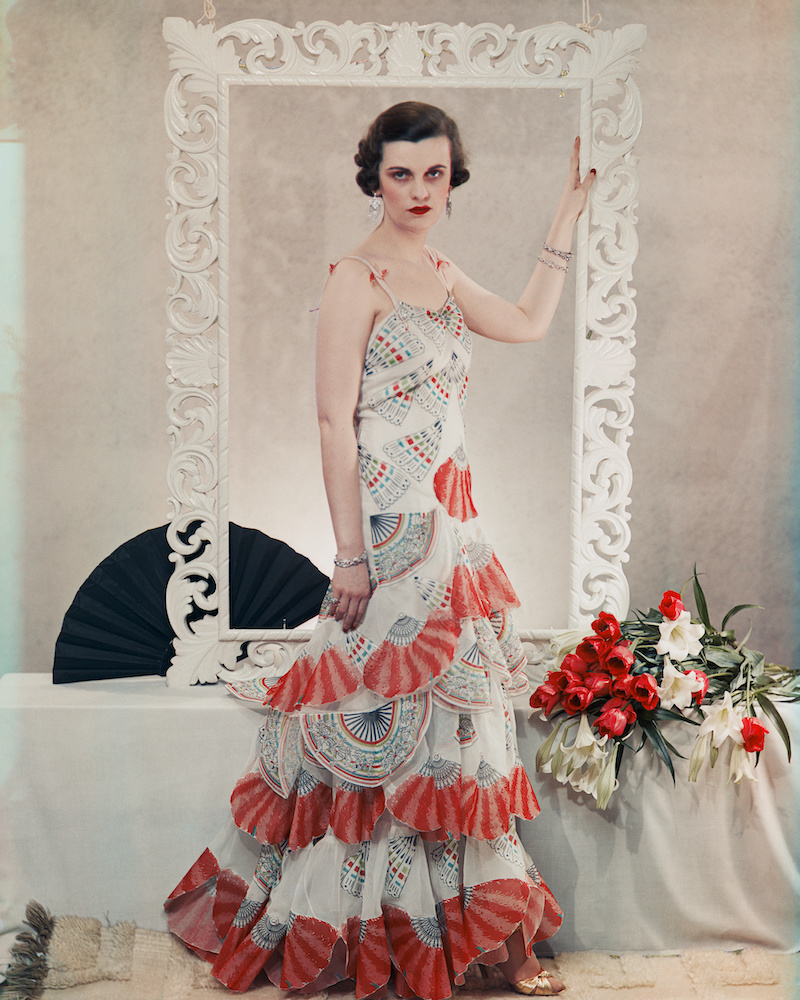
(409, 121)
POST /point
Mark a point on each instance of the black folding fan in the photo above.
(117, 625)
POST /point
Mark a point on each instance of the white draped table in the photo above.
(111, 789)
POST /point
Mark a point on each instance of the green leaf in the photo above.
(721, 656)
(755, 660)
(780, 725)
(735, 611)
(700, 599)
(653, 733)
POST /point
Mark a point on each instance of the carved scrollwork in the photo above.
(205, 62)
(539, 655)
(274, 656)
(192, 306)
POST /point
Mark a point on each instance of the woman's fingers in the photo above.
(574, 169)
(352, 613)
(350, 610)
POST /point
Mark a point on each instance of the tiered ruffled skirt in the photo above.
(373, 833)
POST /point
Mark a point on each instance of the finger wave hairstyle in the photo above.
(409, 121)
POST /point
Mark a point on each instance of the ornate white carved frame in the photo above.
(207, 63)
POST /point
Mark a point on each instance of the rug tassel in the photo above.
(25, 975)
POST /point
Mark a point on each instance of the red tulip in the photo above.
(703, 679)
(753, 733)
(574, 664)
(576, 698)
(615, 717)
(607, 627)
(620, 659)
(671, 605)
(593, 649)
(598, 684)
(645, 690)
(546, 697)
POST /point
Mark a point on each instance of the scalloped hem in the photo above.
(422, 956)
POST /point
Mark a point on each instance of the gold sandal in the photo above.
(539, 986)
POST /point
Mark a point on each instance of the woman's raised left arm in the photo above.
(490, 315)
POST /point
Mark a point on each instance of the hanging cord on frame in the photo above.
(209, 13)
(589, 22)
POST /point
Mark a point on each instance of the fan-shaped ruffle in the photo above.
(399, 906)
(404, 663)
(438, 772)
(312, 681)
(461, 807)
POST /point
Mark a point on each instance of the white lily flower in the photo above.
(742, 765)
(607, 783)
(586, 779)
(676, 688)
(699, 751)
(560, 764)
(680, 639)
(722, 721)
(581, 763)
(587, 747)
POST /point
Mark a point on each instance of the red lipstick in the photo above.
(420, 209)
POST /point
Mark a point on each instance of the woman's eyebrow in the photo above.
(433, 166)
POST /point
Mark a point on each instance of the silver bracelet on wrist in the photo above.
(556, 267)
(565, 255)
(347, 563)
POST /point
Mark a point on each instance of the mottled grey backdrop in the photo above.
(713, 443)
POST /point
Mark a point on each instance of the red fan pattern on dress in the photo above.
(395, 669)
(453, 487)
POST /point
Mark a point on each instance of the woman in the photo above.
(379, 810)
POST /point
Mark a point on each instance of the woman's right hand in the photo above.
(351, 592)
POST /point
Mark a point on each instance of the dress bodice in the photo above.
(410, 408)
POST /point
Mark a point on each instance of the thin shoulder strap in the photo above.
(374, 274)
(440, 266)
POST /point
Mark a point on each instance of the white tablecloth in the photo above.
(111, 789)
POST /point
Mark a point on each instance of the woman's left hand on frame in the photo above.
(576, 191)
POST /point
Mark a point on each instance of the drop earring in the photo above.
(375, 204)
(448, 206)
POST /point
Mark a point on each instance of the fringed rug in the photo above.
(80, 958)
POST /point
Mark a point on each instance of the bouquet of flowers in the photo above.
(614, 688)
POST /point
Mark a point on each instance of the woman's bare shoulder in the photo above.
(348, 275)
(452, 272)
(349, 295)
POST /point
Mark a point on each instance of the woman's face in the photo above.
(414, 180)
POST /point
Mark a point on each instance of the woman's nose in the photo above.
(420, 191)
